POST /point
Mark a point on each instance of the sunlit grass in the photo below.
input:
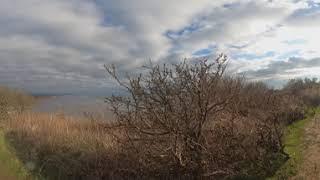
(294, 139)
(10, 166)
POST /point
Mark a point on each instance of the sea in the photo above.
(74, 106)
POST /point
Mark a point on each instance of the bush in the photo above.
(192, 121)
(308, 90)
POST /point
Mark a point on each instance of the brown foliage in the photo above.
(55, 146)
(13, 101)
(308, 90)
(192, 121)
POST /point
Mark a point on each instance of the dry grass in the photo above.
(60, 147)
(58, 129)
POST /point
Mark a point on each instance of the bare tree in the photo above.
(171, 109)
(192, 121)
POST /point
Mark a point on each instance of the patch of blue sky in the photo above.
(193, 27)
(313, 8)
(295, 42)
(250, 56)
(111, 17)
(231, 5)
(312, 3)
(293, 53)
(187, 30)
(109, 21)
(205, 51)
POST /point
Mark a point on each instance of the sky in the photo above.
(60, 46)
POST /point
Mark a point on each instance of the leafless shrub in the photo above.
(192, 121)
(308, 90)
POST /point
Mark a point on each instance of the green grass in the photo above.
(294, 137)
(10, 166)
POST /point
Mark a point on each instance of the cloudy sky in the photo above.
(60, 46)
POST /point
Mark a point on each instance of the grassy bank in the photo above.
(294, 145)
(10, 166)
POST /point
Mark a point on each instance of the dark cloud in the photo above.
(280, 68)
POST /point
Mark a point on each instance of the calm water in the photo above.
(74, 105)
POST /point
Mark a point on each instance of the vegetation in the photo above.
(294, 137)
(59, 147)
(186, 121)
(307, 89)
(13, 101)
(192, 121)
(10, 165)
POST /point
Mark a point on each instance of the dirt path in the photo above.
(310, 168)
(5, 175)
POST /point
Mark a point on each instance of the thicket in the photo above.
(308, 90)
(193, 121)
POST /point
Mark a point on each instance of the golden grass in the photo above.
(57, 130)
(54, 144)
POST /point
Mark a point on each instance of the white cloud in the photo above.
(61, 45)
